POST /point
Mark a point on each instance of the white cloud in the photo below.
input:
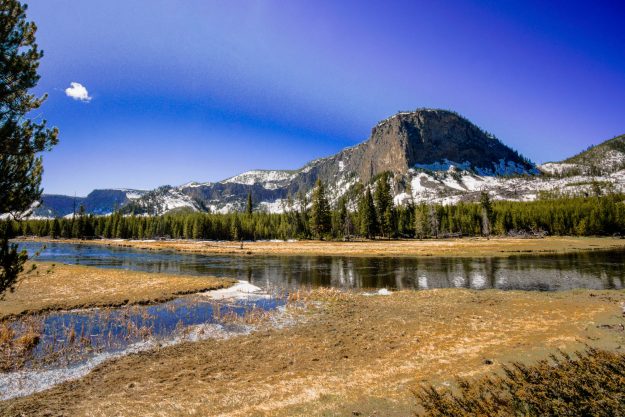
(77, 91)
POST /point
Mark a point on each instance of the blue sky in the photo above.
(203, 90)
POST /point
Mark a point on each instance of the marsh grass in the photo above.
(321, 294)
(61, 339)
(17, 343)
(590, 383)
(25, 343)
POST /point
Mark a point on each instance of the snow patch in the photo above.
(243, 290)
(381, 291)
(259, 177)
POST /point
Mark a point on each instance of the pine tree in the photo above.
(434, 223)
(405, 221)
(21, 139)
(421, 221)
(45, 229)
(235, 228)
(56, 229)
(319, 212)
(197, 228)
(367, 215)
(302, 224)
(249, 208)
(140, 230)
(487, 211)
(78, 226)
(187, 228)
(341, 220)
(384, 205)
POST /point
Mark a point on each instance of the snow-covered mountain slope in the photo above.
(453, 186)
(603, 159)
(433, 156)
(163, 200)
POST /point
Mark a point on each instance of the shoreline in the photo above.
(56, 287)
(458, 247)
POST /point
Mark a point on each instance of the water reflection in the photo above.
(594, 270)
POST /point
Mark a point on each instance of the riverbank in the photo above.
(463, 247)
(351, 355)
(63, 287)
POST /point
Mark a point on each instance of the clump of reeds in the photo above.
(317, 294)
(590, 383)
(17, 343)
(252, 315)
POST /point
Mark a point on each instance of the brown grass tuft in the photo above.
(590, 383)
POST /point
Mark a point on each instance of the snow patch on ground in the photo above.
(243, 290)
(381, 291)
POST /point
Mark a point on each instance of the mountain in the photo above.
(603, 159)
(434, 156)
(97, 202)
(423, 139)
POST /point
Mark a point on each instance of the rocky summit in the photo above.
(434, 156)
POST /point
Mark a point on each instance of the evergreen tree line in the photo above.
(375, 216)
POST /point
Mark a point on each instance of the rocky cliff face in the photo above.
(435, 155)
(433, 139)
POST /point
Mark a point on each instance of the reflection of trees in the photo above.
(489, 270)
(595, 269)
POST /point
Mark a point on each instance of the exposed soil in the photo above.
(350, 355)
(432, 247)
(63, 287)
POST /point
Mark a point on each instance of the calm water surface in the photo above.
(592, 270)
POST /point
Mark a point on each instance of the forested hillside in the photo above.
(374, 215)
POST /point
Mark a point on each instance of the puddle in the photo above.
(72, 343)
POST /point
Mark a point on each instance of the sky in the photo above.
(153, 92)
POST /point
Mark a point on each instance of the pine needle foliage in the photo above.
(320, 216)
(21, 139)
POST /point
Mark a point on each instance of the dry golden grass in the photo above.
(444, 247)
(350, 355)
(16, 349)
(59, 287)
